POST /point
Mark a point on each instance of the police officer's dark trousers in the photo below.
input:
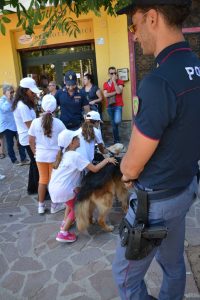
(129, 275)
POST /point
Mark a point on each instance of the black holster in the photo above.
(141, 238)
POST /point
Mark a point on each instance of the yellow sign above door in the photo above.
(23, 41)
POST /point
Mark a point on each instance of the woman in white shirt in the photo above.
(24, 114)
(43, 139)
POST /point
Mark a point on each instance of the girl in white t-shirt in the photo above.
(90, 134)
(43, 139)
(65, 179)
(24, 113)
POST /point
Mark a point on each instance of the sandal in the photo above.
(2, 155)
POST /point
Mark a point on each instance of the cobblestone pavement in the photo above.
(34, 266)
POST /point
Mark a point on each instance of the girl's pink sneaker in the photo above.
(68, 238)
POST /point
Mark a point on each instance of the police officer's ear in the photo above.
(152, 18)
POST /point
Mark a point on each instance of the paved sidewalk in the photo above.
(34, 266)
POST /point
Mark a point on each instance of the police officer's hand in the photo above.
(127, 182)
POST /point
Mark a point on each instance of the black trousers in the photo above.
(33, 178)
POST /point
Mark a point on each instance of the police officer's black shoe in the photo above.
(153, 298)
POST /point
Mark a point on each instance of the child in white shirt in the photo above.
(65, 178)
(90, 134)
(43, 140)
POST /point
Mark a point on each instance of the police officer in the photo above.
(72, 102)
(164, 148)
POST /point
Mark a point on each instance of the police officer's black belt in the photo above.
(162, 194)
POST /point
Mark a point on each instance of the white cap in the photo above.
(49, 103)
(93, 115)
(66, 136)
(29, 83)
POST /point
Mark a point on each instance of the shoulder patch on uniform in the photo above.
(135, 105)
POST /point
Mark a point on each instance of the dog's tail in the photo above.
(82, 212)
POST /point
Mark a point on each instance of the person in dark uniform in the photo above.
(164, 149)
(72, 102)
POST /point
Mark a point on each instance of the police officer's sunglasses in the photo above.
(133, 27)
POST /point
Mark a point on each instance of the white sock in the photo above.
(41, 204)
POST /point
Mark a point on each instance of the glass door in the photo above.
(80, 67)
(54, 63)
(41, 72)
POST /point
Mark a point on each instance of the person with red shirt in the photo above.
(112, 90)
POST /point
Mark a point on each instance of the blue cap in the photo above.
(143, 3)
(70, 78)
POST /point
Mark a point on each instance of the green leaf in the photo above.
(23, 9)
(29, 30)
(70, 32)
(56, 2)
(2, 28)
(7, 12)
(37, 6)
(18, 13)
(20, 22)
(35, 19)
(6, 20)
(48, 12)
(40, 16)
(55, 13)
(13, 3)
(2, 4)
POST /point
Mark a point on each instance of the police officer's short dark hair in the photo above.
(174, 15)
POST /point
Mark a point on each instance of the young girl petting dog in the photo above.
(90, 134)
(66, 176)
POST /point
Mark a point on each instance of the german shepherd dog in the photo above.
(98, 190)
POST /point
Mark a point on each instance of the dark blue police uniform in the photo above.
(169, 107)
(71, 108)
(169, 111)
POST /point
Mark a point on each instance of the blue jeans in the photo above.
(115, 115)
(129, 275)
(10, 135)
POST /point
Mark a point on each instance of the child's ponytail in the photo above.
(47, 123)
(58, 158)
(88, 131)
